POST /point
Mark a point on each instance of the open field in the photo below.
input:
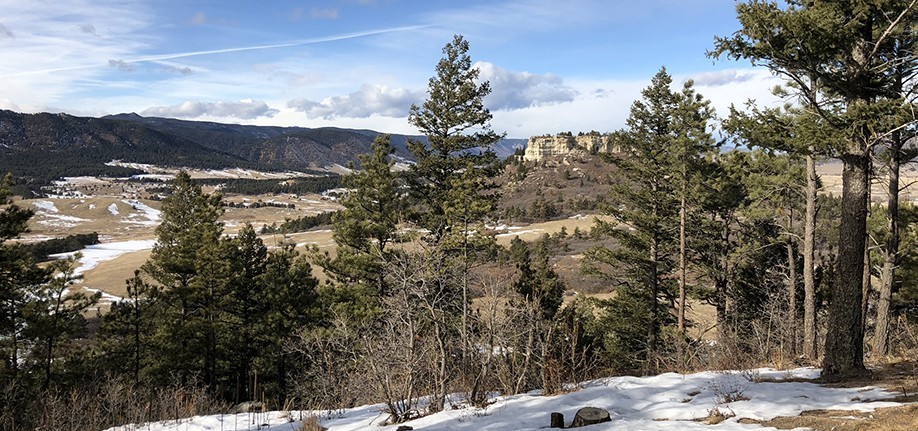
(119, 218)
(830, 173)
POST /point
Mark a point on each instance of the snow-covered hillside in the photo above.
(665, 402)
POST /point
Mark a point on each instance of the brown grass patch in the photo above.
(903, 418)
(900, 377)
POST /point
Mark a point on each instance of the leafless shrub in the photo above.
(311, 423)
(111, 402)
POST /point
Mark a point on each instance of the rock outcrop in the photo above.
(562, 144)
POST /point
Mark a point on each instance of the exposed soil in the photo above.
(899, 377)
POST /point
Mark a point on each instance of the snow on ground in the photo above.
(665, 402)
(151, 215)
(113, 208)
(45, 206)
(167, 173)
(104, 298)
(160, 177)
(139, 166)
(93, 255)
(53, 217)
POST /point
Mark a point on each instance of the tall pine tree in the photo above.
(839, 57)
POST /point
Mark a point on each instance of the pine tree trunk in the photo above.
(844, 351)
(791, 296)
(865, 283)
(720, 290)
(682, 269)
(654, 294)
(137, 345)
(809, 280)
(652, 329)
(890, 254)
(720, 306)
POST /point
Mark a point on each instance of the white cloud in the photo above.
(52, 59)
(368, 101)
(516, 90)
(722, 77)
(246, 109)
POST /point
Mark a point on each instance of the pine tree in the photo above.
(838, 58)
(53, 317)
(795, 132)
(245, 308)
(368, 224)
(184, 264)
(18, 276)
(718, 237)
(451, 181)
(896, 153)
(454, 170)
(692, 142)
(125, 334)
(290, 303)
(646, 204)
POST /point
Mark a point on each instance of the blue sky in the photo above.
(553, 65)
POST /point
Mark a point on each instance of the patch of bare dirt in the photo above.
(899, 377)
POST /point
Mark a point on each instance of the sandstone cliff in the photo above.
(562, 144)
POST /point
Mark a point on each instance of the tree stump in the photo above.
(557, 420)
(589, 416)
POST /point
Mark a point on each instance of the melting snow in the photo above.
(151, 215)
(665, 402)
(46, 206)
(52, 215)
(113, 208)
(93, 255)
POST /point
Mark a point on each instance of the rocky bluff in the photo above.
(562, 144)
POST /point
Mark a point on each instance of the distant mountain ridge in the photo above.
(39, 148)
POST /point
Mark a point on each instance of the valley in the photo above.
(126, 222)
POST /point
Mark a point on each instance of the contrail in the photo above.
(161, 57)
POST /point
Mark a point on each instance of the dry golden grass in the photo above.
(534, 231)
(830, 173)
(311, 424)
(109, 276)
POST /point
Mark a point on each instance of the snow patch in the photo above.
(104, 298)
(46, 206)
(53, 217)
(148, 216)
(93, 255)
(113, 208)
(665, 402)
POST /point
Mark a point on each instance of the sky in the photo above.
(571, 65)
